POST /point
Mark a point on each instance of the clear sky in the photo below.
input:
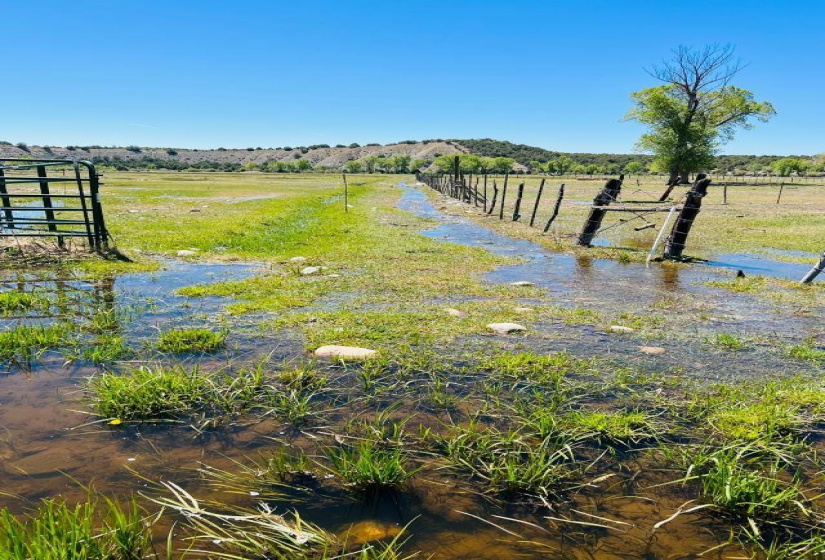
(558, 75)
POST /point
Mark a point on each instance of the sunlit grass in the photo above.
(98, 529)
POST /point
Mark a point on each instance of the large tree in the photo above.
(696, 110)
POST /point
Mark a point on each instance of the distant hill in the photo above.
(325, 157)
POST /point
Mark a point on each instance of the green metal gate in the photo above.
(52, 198)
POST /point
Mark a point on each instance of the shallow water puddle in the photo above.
(43, 439)
(674, 293)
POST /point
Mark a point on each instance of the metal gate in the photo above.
(56, 198)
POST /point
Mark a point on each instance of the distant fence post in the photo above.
(503, 196)
(517, 209)
(536, 205)
(555, 208)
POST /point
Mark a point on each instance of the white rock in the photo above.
(186, 253)
(505, 328)
(523, 309)
(455, 312)
(298, 259)
(333, 275)
(306, 271)
(134, 211)
(344, 352)
(651, 349)
(620, 329)
(522, 283)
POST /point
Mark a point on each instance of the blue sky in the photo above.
(237, 74)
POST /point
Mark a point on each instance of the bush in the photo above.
(134, 149)
(171, 152)
(23, 146)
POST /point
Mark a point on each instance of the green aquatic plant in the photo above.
(726, 341)
(177, 393)
(98, 529)
(807, 351)
(509, 463)
(614, 427)
(28, 342)
(369, 466)
(190, 341)
(742, 482)
(20, 302)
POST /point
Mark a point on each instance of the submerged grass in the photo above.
(98, 529)
(177, 393)
(181, 341)
(27, 342)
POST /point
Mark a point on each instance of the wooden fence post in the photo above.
(495, 196)
(517, 209)
(670, 186)
(503, 196)
(485, 192)
(609, 193)
(555, 208)
(536, 205)
(681, 228)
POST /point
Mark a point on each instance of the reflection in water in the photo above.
(584, 264)
(669, 278)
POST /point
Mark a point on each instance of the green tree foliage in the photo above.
(302, 166)
(786, 166)
(353, 166)
(696, 109)
(418, 164)
(399, 163)
(634, 168)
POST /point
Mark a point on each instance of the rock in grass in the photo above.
(344, 352)
(298, 259)
(620, 329)
(523, 309)
(307, 270)
(651, 350)
(186, 253)
(506, 328)
(522, 283)
(455, 312)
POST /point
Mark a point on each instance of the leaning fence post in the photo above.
(681, 228)
(608, 194)
(555, 208)
(670, 186)
(495, 196)
(779, 196)
(536, 205)
(485, 192)
(503, 195)
(814, 272)
(517, 208)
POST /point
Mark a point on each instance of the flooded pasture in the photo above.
(611, 499)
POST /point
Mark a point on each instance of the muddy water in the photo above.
(48, 447)
(44, 436)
